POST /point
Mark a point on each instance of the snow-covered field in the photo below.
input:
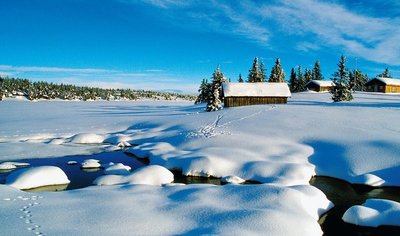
(279, 145)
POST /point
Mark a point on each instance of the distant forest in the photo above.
(11, 87)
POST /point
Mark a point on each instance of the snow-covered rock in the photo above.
(232, 180)
(90, 163)
(117, 169)
(87, 138)
(72, 163)
(34, 177)
(151, 149)
(373, 213)
(149, 175)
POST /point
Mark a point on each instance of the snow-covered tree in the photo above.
(277, 73)
(357, 80)
(215, 100)
(316, 73)
(308, 76)
(341, 91)
(301, 85)
(204, 92)
(1, 88)
(262, 72)
(240, 80)
(385, 74)
(254, 73)
(293, 84)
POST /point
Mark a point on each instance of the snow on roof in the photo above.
(256, 90)
(321, 83)
(389, 80)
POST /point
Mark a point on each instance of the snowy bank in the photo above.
(175, 210)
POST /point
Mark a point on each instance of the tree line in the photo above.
(10, 87)
(344, 81)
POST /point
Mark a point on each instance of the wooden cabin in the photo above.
(383, 85)
(244, 94)
(319, 85)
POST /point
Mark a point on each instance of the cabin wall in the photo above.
(246, 101)
(392, 89)
(376, 86)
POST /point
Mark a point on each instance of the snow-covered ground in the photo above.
(280, 145)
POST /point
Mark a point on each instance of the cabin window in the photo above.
(369, 87)
(380, 87)
(394, 89)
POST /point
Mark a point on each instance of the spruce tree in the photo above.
(308, 76)
(277, 73)
(357, 80)
(204, 92)
(341, 90)
(262, 72)
(293, 84)
(215, 100)
(240, 80)
(385, 74)
(1, 88)
(254, 72)
(317, 75)
(301, 86)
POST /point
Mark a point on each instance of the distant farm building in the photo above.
(319, 85)
(244, 94)
(383, 85)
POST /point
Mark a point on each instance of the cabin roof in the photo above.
(387, 81)
(321, 83)
(256, 90)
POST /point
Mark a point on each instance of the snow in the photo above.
(87, 138)
(7, 166)
(150, 175)
(172, 210)
(232, 180)
(256, 90)
(322, 83)
(90, 163)
(389, 81)
(34, 177)
(117, 169)
(374, 213)
(282, 146)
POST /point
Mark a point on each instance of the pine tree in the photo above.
(1, 88)
(215, 100)
(308, 76)
(254, 72)
(301, 85)
(341, 90)
(293, 84)
(385, 74)
(277, 73)
(317, 75)
(240, 80)
(204, 92)
(357, 80)
(262, 72)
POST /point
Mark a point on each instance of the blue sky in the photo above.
(173, 45)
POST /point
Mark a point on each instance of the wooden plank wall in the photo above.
(246, 101)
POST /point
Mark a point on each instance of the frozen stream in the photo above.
(341, 193)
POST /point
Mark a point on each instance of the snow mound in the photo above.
(151, 149)
(87, 138)
(232, 180)
(118, 139)
(373, 213)
(90, 163)
(149, 175)
(7, 166)
(369, 179)
(57, 141)
(72, 162)
(117, 169)
(37, 177)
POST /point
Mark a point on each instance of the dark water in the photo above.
(341, 193)
(344, 195)
(79, 178)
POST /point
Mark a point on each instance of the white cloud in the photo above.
(52, 69)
